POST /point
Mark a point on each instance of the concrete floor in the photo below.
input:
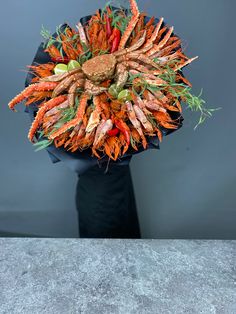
(51, 275)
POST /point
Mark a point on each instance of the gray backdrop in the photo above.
(184, 190)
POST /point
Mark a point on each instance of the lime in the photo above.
(124, 95)
(73, 64)
(113, 90)
(60, 68)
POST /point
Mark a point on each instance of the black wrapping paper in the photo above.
(81, 161)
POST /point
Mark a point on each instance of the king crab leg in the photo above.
(143, 119)
(140, 57)
(131, 25)
(178, 67)
(93, 89)
(134, 47)
(28, 91)
(60, 77)
(82, 34)
(72, 91)
(63, 85)
(77, 120)
(149, 44)
(133, 119)
(53, 111)
(161, 43)
(41, 112)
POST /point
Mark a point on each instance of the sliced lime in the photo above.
(124, 95)
(60, 68)
(113, 90)
(73, 64)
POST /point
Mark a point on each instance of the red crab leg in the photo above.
(134, 47)
(184, 64)
(161, 43)
(59, 77)
(140, 57)
(28, 91)
(133, 119)
(143, 119)
(131, 25)
(82, 34)
(41, 112)
(78, 118)
(149, 44)
(62, 86)
(167, 50)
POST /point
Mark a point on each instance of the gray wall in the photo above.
(184, 190)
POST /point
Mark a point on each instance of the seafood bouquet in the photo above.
(111, 84)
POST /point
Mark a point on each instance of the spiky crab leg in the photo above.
(77, 120)
(161, 44)
(149, 44)
(59, 77)
(63, 85)
(131, 25)
(143, 119)
(28, 91)
(134, 47)
(139, 57)
(133, 119)
(178, 67)
(41, 112)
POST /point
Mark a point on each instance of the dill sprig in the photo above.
(42, 143)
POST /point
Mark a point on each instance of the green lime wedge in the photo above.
(60, 68)
(73, 64)
(113, 90)
(124, 95)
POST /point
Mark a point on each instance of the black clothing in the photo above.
(106, 203)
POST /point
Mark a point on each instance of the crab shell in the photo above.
(100, 68)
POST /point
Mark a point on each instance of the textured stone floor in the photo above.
(117, 276)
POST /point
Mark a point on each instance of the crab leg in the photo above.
(59, 77)
(156, 82)
(161, 43)
(72, 91)
(28, 91)
(139, 67)
(153, 105)
(62, 86)
(134, 47)
(77, 120)
(82, 34)
(175, 55)
(131, 25)
(143, 119)
(122, 75)
(41, 112)
(53, 111)
(140, 57)
(145, 75)
(139, 102)
(184, 64)
(133, 119)
(149, 44)
(93, 89)
(167, 49)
